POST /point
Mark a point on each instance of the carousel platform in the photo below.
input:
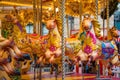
(71, 76)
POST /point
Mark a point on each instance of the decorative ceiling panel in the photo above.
(72, 6)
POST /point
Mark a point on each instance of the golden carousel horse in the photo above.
(8, 50)
(53, 41)
(89, 45)
(114, 35)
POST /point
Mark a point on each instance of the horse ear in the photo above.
(55, 20)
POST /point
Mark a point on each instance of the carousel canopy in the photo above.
(72, 6)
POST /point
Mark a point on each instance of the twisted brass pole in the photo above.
(107, 15)
(61, 4)
(40, 18)
(80, 11)
(96, 7)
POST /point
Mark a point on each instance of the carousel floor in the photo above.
(72, 76)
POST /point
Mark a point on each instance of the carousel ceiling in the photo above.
(72, 6)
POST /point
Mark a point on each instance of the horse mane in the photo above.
(96, 27)
(110, 33)
(59, 25)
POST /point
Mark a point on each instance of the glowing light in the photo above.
(14, 3)
(49, 8)
(19, 4)
(56, 9)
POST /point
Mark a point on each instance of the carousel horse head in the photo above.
(114, 32)
(14, 20)
(89, 24)
(8, 18)
(86, 24)
(51, 24)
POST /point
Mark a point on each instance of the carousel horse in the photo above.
(6, 55)
(10, 46)
(31, 44)
(53, 42)
(15, 21)
(46, 47)
(89, 32)
(114, 35)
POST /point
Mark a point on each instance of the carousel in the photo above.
(59, 40)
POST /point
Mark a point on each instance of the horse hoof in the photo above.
(20, 59)
(17, 72)
(26, 56)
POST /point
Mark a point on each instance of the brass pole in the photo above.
(80, 11)
(61, 4)
(34, 17)
(107, 15)
(54, 7)
(40, 18)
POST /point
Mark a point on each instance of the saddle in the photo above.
(107, 49)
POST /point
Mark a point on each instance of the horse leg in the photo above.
(40, 59)
(118, 46)
(51, 69)
(6, 69)
(58, 52)
(17, 51)
(48, 54)
(83, 56)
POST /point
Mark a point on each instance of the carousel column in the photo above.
(35, 31)
(61, 4)
(80, 11)
(80, 22)
(96, 17)
(54, 2)
(107, 15)
(40, 18)
(35, 15)
(40, 32)
(0, 28)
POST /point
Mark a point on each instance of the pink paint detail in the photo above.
(52, 48)
(93, 37)
(88, 49)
